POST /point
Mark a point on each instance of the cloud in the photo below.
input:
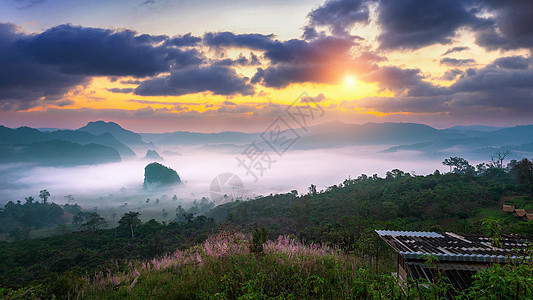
(452, 74)
(161, 102)
(240, 61)
(226, 39)
(454, 62)
(322, 60)
(325, 59)
(183, 40)
(412, 24)
(25, 82)
(338, 15)
(511, 26)
(216, 79)
(131, 81)
(455, 49)
(512, 62)
(63, 103)
(120, 90)
(103, 52)
(492, 79)
(25, 4)
(46, 66)
(404, 104)
(489, 92)
(405, 82)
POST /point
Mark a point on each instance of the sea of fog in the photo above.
(114, 184)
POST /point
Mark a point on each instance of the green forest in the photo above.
(316, 244)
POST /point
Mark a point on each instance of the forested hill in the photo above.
(76, 147)
(452, 202)
(344, 215)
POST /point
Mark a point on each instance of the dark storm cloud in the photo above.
(411, 24)
(24, 82)
(95, 51)
(454, 62)
(338, 15)
(216, 79)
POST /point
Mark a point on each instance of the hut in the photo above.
(459, 256)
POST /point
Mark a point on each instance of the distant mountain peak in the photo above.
(123, 135)
(104, 124)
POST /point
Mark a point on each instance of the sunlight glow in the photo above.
(349, 80)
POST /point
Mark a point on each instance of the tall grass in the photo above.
(224, 267)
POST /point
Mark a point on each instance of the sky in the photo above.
(218, 65)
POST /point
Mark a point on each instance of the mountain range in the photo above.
(64, 147)
(104, 140)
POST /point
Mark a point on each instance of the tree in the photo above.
(29, 200)
(449, 162)
(44, 194)
(259, 237)
(130, 220)
(458, 165)
(69, 198)
(523, 173)
(498, 158)
(18, 234)
(312, 190)
(94, 222)
(395, 174)
(80, 217)
(493, 227)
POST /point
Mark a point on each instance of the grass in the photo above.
(225, 267)
(489, 212)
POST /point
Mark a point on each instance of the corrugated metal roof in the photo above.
(408, 233)
(415, 245)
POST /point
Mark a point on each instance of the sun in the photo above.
(349, 80)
